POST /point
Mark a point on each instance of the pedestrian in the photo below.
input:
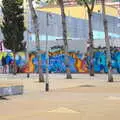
(8, 60)
(11, 66)
(4, 64)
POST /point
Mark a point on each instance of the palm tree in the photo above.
(26, 52)
(64, 25)
(65, 41)
(90, 40)
(105, 23)
(36, 28)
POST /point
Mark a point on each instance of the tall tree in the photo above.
(64, 26)
(13, 26)
(105, 23)
(36, 28)
(65, 41)
(90, 6)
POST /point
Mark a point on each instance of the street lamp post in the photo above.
(47, 56)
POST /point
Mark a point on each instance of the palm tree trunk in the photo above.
(110, 77)
(27, 55)
(27, 41)
(90, 42)
(68, 73)
(36, 27)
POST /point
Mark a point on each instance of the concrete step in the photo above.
(11, 89)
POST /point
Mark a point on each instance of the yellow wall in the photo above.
(80, 11)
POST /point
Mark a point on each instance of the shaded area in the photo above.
(3, 98)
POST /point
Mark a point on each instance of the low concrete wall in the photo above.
(11, 90)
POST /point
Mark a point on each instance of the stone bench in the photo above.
(11, 89)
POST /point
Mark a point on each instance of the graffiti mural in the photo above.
(79, 63)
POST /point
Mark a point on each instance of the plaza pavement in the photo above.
(80, 98)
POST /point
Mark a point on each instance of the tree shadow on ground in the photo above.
(116, 81)
(3, 98)
(86, 85)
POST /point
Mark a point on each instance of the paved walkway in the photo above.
(80, 98)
